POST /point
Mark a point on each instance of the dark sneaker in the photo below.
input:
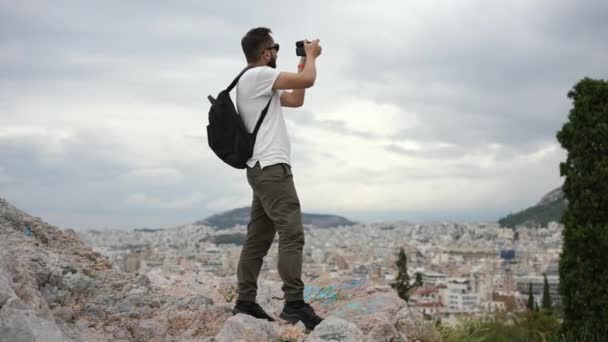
(300, 311)
(252, 309)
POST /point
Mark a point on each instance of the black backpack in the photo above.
(226, 132)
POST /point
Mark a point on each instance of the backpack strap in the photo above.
(233, 84)
(264, 112)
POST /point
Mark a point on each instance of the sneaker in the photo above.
(300, 311)
(252, 309)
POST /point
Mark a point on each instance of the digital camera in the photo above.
(300, 48)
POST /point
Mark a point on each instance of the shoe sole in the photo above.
(294, 318)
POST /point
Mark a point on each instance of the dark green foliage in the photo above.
(529, 326)
(530, 305)
(546, 302)
(582, 268)
(418, 281)
(402, 282)
(536, 216)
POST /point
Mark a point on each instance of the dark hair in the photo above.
(254, 42)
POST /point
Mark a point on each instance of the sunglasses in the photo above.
(275, 46)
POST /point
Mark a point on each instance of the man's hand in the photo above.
(313, 49)
(304, 78)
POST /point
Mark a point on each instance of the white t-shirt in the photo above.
(252, 94)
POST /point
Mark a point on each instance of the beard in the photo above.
(272, 63)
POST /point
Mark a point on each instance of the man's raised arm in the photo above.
(305, 78)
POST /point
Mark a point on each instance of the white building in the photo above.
(458, 297)
(433, 278)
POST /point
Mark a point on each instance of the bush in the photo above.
(528, 326)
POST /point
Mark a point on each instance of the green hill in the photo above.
(240, 216)
(550, 208)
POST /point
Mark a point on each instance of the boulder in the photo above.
(335, 329)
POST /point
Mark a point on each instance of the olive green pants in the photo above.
(275, 208)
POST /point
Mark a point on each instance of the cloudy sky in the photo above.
(422, 110)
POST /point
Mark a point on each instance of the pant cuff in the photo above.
(246, 298)
(292, 297)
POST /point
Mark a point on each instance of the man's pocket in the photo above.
(272, 173)
(287, 170)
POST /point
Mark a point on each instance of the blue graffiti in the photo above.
(329, 295)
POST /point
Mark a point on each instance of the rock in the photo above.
(20, 320)
(4, 297)
(220, 289)
(385, 332)
(247, 328)
(157, 278)
(23, 325)
(368, 322)
(411, 324)
(53, 287)
(65, 314)
(150, 329)
(293, 332)
(14, 328)
(194, 322)
(355, 301)
(335, 329)
(407, 320)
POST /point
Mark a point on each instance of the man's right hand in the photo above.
(313, 49)
(300, 80)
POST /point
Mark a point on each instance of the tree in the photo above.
(530, 298)
(582, 267)
(418, 281)
(402, 282)
(546, 302)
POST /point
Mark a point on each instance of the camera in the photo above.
(300, 48)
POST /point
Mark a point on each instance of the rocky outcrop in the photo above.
(336, 329)
(552, 196)
(247, 329)
(549, 209)
(55, 288)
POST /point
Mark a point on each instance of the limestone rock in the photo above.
(246, 328)
(293, 332)
(53, 287)
(334, 329)
(385, 332)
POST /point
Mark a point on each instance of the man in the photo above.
(275, 207)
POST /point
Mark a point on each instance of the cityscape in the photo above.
(467, 269)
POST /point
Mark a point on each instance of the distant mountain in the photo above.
(550, 208)
(149, 230)
(240, 216)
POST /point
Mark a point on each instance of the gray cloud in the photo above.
(487, 77)
(102, 105)
(306, 118)
(84, 176)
